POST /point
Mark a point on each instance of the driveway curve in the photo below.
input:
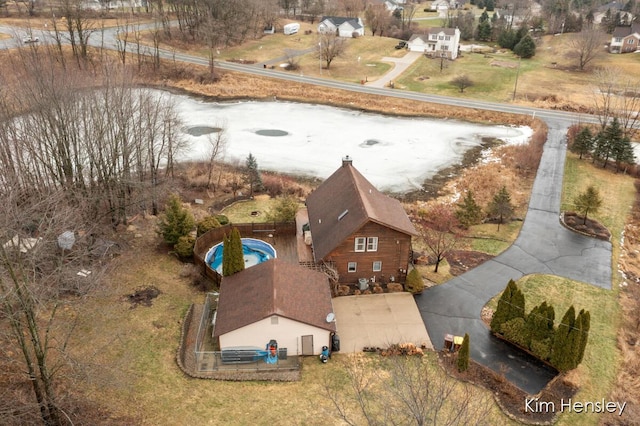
(543, 246)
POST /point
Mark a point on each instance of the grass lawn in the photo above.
(616, 190)
(548, 74)
(488, 239)
(240, 212)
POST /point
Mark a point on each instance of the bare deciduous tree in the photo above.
(330, 46)
(37, 267)
(586, 45)
(462, 82)
(403, 390)
(439, 230)
(616, 95)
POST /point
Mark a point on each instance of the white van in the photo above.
(291, 28)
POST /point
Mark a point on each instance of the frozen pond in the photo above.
(395, 154)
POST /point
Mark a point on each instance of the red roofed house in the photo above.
(364, 233)
(625, 39)
(275, 300)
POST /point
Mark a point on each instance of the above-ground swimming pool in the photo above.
(255, 251)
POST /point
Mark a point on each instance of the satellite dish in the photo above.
(331, 317)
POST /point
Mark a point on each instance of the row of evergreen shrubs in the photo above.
(562, 346)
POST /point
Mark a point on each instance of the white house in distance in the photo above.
(275, 300)
(436, 42)
(625, 39)
(343, 27)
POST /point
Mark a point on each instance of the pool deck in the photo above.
(305, 253)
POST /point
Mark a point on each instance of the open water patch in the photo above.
(202, 130)
(271, 132)
(370, 142)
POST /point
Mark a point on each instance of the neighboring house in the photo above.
(625, 39)
(362, 232)
(436, 42)
(343, 27)
(611, 8)
(444, 5)
(275, 300)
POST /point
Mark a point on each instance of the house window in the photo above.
(445, 47)
(434, 37)
(630, 41)
(377, 266)
(618, 39)
(360, 243)
(372, 244)
(447, 38)
(274, 320)
(441, 37)
(352, 266)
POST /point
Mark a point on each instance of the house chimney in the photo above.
(346, 161)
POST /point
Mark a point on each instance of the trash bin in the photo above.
(335, 343)
(448, 342)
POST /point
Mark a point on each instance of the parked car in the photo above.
(401, 45)
(30, 39)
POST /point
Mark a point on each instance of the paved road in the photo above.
(543, 246)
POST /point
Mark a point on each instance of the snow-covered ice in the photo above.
(394, 153)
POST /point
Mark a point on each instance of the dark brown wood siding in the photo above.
(393, 251)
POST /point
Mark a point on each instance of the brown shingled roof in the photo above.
(270, 288)
(626, 30)
(344, 203)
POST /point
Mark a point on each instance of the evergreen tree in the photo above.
(526, 47)
(561, 353)
(622, 152)
(463, 354)
(414, 283)
(612, 136)
(206, 224)
(469, 212)
(510, 306)
(232, 254)
(490, 5)
(507, 38)
(601, 148)
(184, 246)
(237, 255)
(584, 320)
(483, 31)
(484, 17)
(501, 205)
(176, 222)
(588, 201)
(253, 175)
(539, 330)
(583, 142)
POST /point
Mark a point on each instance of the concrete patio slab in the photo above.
(378, 320)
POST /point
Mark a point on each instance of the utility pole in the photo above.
(515, 86)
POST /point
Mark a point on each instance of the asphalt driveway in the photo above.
(543, 246)
(378, 320)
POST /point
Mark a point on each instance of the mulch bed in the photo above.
(589, 227)
(510, 398)
(460, 261)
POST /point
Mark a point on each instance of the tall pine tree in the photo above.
(510, 306)
(463, 354)
(232, 254)
(501, 205)
(562, 351)
(469, 212)
(583, 142)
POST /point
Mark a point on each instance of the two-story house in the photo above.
(364, 233)
(437, 42)
(625, 39)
